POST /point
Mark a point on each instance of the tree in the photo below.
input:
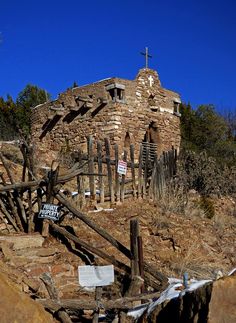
(230, 119)
(7, 118)
(27, 99)
(187, 125)
(204, 129)
(15, 117)
(32, 96)
(210, 128)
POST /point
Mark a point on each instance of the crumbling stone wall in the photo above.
(116, 108)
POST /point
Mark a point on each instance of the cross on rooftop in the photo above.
(146, 56)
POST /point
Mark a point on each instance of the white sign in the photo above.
(49, 211)
(92, 276)
(122, 167)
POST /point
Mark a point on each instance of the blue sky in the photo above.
(54, 43)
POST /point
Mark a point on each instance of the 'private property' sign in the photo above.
(49, 211)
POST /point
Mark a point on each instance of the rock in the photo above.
(16, 307)
(222, 307)
(21, 241)
(46, 252)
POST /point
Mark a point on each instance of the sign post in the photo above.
(96, 276)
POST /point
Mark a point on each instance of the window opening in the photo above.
(116, 92)
(127, 140)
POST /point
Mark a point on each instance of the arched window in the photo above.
(152, 139)
(127, 141)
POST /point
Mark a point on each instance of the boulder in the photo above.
(17, 307)
(222, 307)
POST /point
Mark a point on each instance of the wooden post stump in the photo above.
(52, 179)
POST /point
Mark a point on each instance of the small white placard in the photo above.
(92, 276)
(122, 167)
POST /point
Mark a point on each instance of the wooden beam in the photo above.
(100, 170)
(91, 168)
(90, 248)
(50, 286)
(40, 182)
(75, 304)
(19, 201)
(134, 233)
(62, 198)
(149, 280)
(109, 169)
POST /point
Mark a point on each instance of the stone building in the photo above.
(126, 111)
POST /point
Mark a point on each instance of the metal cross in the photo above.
(146, 56)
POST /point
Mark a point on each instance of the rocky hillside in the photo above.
(179, 235)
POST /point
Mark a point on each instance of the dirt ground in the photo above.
(173, 243)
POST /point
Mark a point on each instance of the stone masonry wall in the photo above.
(90, 110)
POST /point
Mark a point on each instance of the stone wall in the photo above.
(114, 108)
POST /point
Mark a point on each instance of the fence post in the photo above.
(52, 179)
(134, 233)
(98, 294)
(153, 181)
(101, 182)
(109, 170)
(146, 171)
(91, 168)
(117, 186)
(122, 191)
(133, 170)
(140, 172)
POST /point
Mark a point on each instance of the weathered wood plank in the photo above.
(74, 304)
(117, 186)
(91, 168)
(140, 172)
(12, 205)
(100, 171)
(62, 198)
(122, 189)
(52, 179)
(146, 165)
(90, 248)
(19, 202)
(140, 260)
(134, 233)
(50, 286)
(8, 216)
(109, 169)
(98, 296)
(133, 170)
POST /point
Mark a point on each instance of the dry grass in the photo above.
(173, 200)
(198, 260)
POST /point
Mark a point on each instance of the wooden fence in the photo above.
(97, 180)
(20, 203)
(146, 177)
